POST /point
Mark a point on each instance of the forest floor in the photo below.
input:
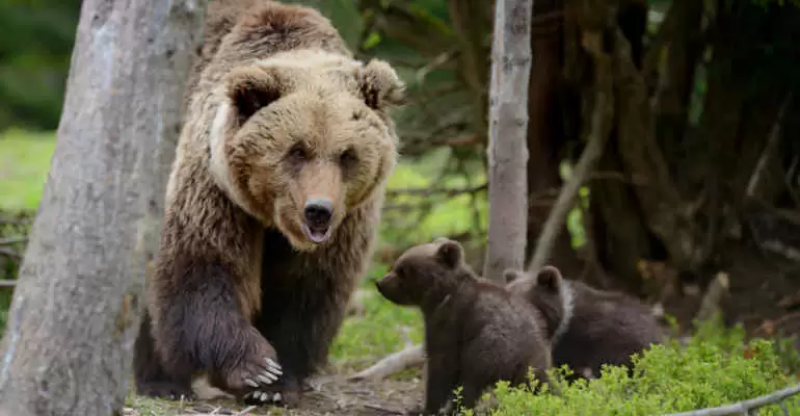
(332, 395)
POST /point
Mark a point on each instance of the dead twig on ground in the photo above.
(748, 406)
(245, 411)
(398, 361)
(384, 409)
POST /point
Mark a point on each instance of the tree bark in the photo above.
(547, 131)
(75, 314)
(507, 152)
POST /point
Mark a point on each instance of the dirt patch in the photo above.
(332, 395)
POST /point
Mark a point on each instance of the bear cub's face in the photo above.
(423, 269)
(300, 140)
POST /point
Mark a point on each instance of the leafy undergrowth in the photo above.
(717, 367)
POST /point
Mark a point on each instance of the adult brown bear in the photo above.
(271, 207)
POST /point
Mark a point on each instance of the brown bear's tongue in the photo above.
(317, 235)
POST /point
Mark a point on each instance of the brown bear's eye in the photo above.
(348, 158)
(298, 154)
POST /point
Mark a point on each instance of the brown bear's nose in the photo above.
(318, 212)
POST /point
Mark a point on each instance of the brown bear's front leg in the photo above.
(201, 328)
(302, 325)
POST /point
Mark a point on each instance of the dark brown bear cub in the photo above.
(588, 327)
(476, 333)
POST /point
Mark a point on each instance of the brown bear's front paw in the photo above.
(165, 390)
(256, 369)
(285, 398)
(285, 394)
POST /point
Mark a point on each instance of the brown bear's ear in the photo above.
(549, 278)
(450, 253)
(511, 275)
(251, 89)
(380, 86)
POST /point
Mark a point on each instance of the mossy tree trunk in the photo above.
(68, 343)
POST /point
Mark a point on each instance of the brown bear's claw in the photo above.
(270, 374)
(264, 397)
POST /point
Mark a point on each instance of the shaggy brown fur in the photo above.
(589, 327)
(476, 333)
(271, 206)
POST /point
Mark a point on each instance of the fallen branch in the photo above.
(10, 253)
(715, 293)
(12, 240)
(384, 410)
(8, 283)
(245, 411)
(398, 361)
(769, 149)
(592, 153)
(746, 407)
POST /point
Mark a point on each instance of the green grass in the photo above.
(382, 329)
(24, 162)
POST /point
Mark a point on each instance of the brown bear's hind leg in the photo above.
(151, 378)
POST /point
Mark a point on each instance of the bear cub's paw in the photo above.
(256, 369)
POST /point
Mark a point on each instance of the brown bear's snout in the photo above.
(318, 213)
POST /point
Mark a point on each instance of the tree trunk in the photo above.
(507, 152)
(75, 314)
(546, 131)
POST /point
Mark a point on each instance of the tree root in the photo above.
(410, 356)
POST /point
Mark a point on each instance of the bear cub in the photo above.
(476, 332)
(588, 327)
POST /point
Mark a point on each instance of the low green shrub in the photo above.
(717, 367)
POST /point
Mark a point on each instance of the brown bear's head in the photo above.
(426, 273)
(547, 291)
(302, 138)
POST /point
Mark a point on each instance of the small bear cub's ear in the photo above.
(449, 253)
(380, 86)
(511, 275)
(251, 89)
(549, 278)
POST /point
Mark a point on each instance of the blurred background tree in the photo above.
(35, 51)
(699, 172)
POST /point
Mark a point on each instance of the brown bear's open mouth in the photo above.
(317, 235)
